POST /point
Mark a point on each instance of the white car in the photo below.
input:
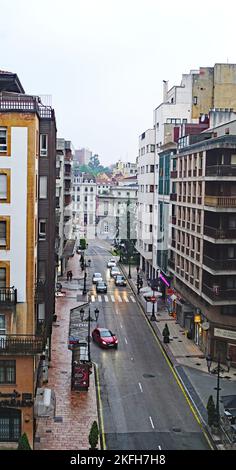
(115, 271)
(111, 263)
(97, 277)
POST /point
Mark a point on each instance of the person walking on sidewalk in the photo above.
(209, 362)
(71, 275)
(166, 334)
(68, 275)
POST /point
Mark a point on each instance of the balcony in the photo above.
(67, 189)
(173, 220)
(229, 233)
(173, 196)
(25, 104)
(173, 174)
(219, 264)
(21, 344)
(221, 170)
(218, 294)
(8, 296)
(67, 175)
(40, 291)
(225, 201)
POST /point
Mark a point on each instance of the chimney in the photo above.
(165, 90)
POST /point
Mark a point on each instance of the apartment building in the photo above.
(82, 156)
(27, 135)
(111, 211)
(203, 243)
(84, 205)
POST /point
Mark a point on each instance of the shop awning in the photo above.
(69, 248)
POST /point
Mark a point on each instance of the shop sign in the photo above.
(229, 334)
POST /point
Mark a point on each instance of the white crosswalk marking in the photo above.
(119, 298)
(106, 298)
(99, 298)
(125, 298)
(92, 298)
(132, 298)
(112, 298)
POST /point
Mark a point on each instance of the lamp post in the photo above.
(138, 280)
(153, 317)
(84, 289)
(217, 388)
(89, 319)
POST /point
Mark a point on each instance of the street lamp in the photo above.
(217, 388)
(153, 317)
(84, 289)
(89, 319)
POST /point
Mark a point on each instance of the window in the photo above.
(43, 145)
(3, 233)
(151, 188)
(42, 271)
(2, 277)
(43, 183)
(151, 168)
(78, 198)
(3, 139)
(42, 229)
(195, 100)
(3, 186)
(153, 146)
(86, 189)
(106, 228)
(10, 425)
(231, 282)
(91, 190)
(2, 325)
(7, 372)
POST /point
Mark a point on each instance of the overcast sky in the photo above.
(103, 61)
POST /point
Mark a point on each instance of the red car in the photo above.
(105, 338)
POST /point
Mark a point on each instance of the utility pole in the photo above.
(217, 388)
(128, 236)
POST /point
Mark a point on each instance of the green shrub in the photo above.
(23, 443)
(82, 244)
(93, 435)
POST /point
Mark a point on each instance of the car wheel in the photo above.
(116, 346)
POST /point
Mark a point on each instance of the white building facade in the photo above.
(84, 205)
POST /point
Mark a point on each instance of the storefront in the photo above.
(224, 344)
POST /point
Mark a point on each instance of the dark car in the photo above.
(120, 281)
(105, 338)
(101, 287)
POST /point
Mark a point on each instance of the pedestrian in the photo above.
(228, 362)
(71, 275)
(209, 362)
(68, 275)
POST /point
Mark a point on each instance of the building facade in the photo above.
(84, 205)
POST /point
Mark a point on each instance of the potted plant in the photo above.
(23, 443)
(93, 435)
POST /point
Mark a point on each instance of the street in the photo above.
(143, 405)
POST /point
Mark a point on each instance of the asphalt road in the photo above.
(143, 406)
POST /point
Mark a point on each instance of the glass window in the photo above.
(3, 139)
(43, 145)
(2, 325)
(43, 183)
(42, 229)
(7, 372)
(3, 233)
(10, 425)
(3, 186)
(2, 277)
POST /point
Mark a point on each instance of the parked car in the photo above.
(115, 271)
(105, 338)
(111, 263)
(101, 286)
(97, 277)
(120, 280)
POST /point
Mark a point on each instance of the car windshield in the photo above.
(97, 275)
(119, 278)
(101, 284)
(106, 334)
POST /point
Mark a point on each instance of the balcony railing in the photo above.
(219, 264)
(221, 170)
(8, 296)
(220, 233)
(217, 293)
(225, 201)
(21, 344)
(25, 103)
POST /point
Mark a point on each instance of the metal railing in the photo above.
(219, 294)
(8, 295)
(21, 344)
(221, 170)
(219, 264)
(219, 233)
(224, 201)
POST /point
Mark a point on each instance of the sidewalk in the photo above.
(75, 411)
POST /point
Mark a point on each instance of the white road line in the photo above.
(125, 298)
(132, 298)
(121, 325)
(99, 298)
(151, 422)
(119, 298)
(92, 298)
(126, 341)
(140, 386)
(159, 447)
(112, 298)
(106, 298)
